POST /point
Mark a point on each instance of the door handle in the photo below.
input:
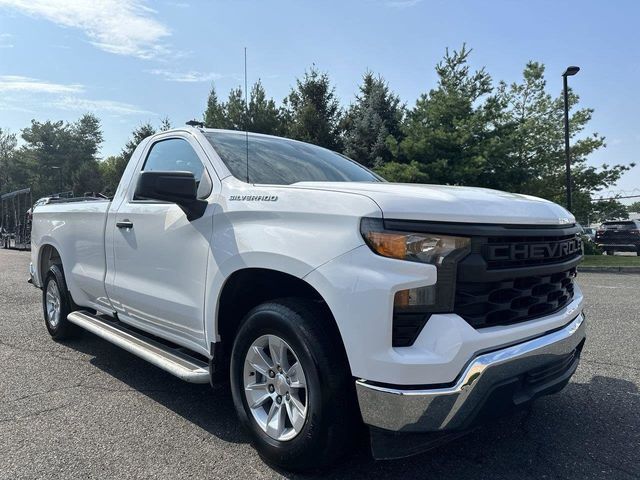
(126, 223)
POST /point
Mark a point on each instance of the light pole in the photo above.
(570, 71)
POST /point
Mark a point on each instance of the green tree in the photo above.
(235, 110)
(58, 156)
(111, 169)
(536, 162)
(214, 115)
(604, 210)
(139, 133)
(634, 207)
(165, 124)
(8, 143)
(264, 115)
(451, 131)
(372, 125)
(312, 112)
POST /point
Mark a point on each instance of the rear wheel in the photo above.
(609, 251)
(57, 304)
(291, 385)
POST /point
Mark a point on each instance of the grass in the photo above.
(610, 261)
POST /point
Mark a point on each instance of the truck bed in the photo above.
(77, 230)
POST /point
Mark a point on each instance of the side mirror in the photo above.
(175, 187)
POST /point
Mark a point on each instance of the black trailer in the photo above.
(15, 219)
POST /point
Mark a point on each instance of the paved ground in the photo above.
(86, 409)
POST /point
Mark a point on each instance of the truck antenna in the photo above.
(246, 111)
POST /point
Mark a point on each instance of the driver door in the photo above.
(160, 258)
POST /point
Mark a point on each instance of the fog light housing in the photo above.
(409, 315)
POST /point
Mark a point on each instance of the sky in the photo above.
(132, 61)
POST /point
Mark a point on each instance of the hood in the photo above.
(407, 201)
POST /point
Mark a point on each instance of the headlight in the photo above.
(415, 247)
(413, 307)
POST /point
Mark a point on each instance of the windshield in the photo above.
(279, 161)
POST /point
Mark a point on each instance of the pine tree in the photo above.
(450, 130)
(264, 115)
(214, 116)
(373, 123)
(312, 111)
(235, 110)
(537, 164)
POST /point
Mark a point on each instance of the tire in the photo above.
(609, 251)
(57, 304)
(331, 419)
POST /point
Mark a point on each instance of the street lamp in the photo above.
(570, 71)
(59, 177)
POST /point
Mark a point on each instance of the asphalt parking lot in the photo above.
(86, 409)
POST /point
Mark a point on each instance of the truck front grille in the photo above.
(484, 304)
(510, 274)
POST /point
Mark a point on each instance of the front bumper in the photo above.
(525, 370)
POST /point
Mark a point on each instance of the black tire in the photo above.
(609, 251)
(332, 421)
(62, 328)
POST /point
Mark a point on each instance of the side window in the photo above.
(175, 154)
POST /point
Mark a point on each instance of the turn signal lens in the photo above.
(388, 244)
(414, 297)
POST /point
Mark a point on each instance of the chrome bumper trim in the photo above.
(435, 409)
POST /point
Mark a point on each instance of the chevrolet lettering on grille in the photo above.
(534, 251)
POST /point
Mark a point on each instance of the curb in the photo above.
(609, 269)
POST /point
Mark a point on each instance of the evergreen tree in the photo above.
(536, 160)
(450, 132)
(214, 116)
(235, 110)
(264, 115)
(372, 125)
(312, 111)
(165, 124)
(139, 133)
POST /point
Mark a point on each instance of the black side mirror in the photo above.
(175, 187)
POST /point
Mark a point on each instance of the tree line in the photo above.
(466, 130)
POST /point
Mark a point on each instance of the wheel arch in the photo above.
(48, 255)
(247, 288)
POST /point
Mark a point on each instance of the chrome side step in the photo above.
(168, 359)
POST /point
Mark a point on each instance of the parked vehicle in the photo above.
(15, 219)
(590, 233)
(619, 236)
(326, 295)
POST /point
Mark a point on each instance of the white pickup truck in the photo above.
(329, 298)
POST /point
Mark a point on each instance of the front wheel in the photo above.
(291, 385)
(57, 304)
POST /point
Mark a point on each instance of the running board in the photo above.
(168, 359)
